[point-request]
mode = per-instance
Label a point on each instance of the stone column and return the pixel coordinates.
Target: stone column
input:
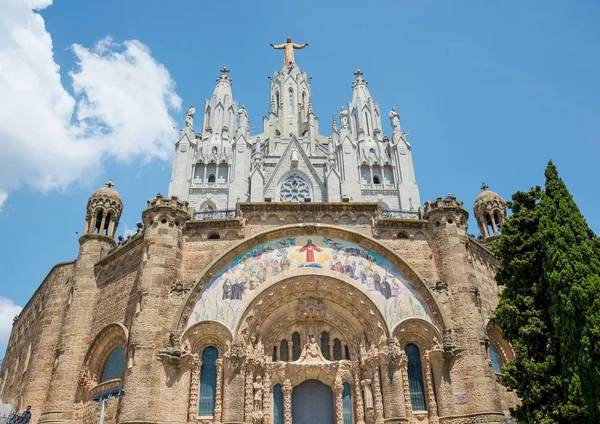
(391, 382)
(404, 373)
(266, 408)
(338, 391)
(219, 391)
(379, 415)
(431, 403)
(331, 351)
(233, 393)
(249, 395)
(360, 407)
(195, 367)
(286, 389)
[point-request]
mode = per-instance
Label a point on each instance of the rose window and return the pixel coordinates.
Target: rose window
(294, 189)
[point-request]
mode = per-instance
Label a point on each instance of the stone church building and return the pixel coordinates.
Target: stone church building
(288, 277)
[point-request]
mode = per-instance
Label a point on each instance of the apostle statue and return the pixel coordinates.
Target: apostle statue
(189, 116)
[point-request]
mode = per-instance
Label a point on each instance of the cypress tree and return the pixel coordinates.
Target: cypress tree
(550, 306)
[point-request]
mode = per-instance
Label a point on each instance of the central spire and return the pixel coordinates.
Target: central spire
(288, 46)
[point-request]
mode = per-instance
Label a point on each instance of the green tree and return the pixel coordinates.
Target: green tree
(550, 306)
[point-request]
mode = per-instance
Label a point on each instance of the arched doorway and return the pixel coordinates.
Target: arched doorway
(312, 403)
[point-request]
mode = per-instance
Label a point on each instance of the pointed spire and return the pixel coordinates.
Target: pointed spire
(310, 106)
(334, 127)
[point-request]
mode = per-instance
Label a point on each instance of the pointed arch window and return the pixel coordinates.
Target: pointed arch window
(208, 382)
(277, 404)
(337, 350)
(347, 352)
(415, 378)
(291, 101)
(325, 345)
(367, 121)
(347, 403)
(295, 346)
(277, 100)
(274, 354)
(211, 178)
(304, 101)
(114, 366)
(284, 351)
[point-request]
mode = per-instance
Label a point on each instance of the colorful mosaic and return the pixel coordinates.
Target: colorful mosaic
(230, 291)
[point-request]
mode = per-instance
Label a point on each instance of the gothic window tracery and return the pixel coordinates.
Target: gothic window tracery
(114, 366)
(294, 189)
(208, 382)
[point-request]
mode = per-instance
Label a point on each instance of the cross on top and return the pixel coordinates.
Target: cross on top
(358, 73)
(224, 71)
(484, 186)
(109, 183)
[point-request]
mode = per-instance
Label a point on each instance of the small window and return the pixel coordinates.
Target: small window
(284, 352)
(367, 121)
(325, 345)
(274, 354)
(214, 236)
(114, 367)
(337, 350)
(277, 102)
(211, 178)
(347, 403)
(295, 346)
(291, 101)
(277, 404)
(303, 100)
(376, 180)
(496, 359)
(347, 352)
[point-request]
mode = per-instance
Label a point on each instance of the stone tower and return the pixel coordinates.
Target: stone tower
(104, 209)
(490, 213)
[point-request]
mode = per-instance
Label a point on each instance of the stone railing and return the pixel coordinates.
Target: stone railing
(201, 184)
(378, 186)
(209, 215)
(400, 214)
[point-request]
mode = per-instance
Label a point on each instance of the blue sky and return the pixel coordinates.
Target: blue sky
(491, 90)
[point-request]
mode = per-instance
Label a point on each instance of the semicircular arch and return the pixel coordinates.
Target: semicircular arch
(338, 252)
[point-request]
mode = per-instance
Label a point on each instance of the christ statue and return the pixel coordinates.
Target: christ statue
(289, 47)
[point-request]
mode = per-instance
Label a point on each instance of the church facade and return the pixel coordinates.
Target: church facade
(288, 277)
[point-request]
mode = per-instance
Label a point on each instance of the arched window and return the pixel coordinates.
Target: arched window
(303, 100)
(497, 220)
(208, 382)
(284, 352)
(277, 102)
(208, 117)
(337, 350)
(277, 404)
(291, 101)
(106, 224)
(496, 359)
(367, 121)
(211, 178)
(347, 403)
(114, 366)
(295, 346)
(376, 180)
(325, 345)
(274, 353)
(347, 352)
(97, 228)
(415, 378)
(355, 119)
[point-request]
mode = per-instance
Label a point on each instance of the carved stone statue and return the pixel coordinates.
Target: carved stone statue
(395, 120)
(189, 116)
(368, 393)
(244, 121)
(289, 47)
(344, 117)
(311, 354)
(258, 394)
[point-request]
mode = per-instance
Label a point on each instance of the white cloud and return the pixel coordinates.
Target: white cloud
(50, 139)
(8, 311)
(3, 196)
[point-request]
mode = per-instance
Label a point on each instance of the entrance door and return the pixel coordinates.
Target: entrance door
(312, 403)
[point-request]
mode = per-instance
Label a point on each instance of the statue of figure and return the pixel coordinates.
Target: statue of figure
(368, 392)
(311, 354)
(395, 119)
(294, 155)
(258, 394)
(289, 47)
(189, 116)
(344, 117)
(244, 121)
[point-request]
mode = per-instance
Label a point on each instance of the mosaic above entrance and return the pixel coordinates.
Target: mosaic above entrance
(233, 287)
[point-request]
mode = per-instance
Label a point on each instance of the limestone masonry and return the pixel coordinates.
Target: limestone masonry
(288, 277)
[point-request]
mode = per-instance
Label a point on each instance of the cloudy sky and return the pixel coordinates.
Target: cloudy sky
(97, 90)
